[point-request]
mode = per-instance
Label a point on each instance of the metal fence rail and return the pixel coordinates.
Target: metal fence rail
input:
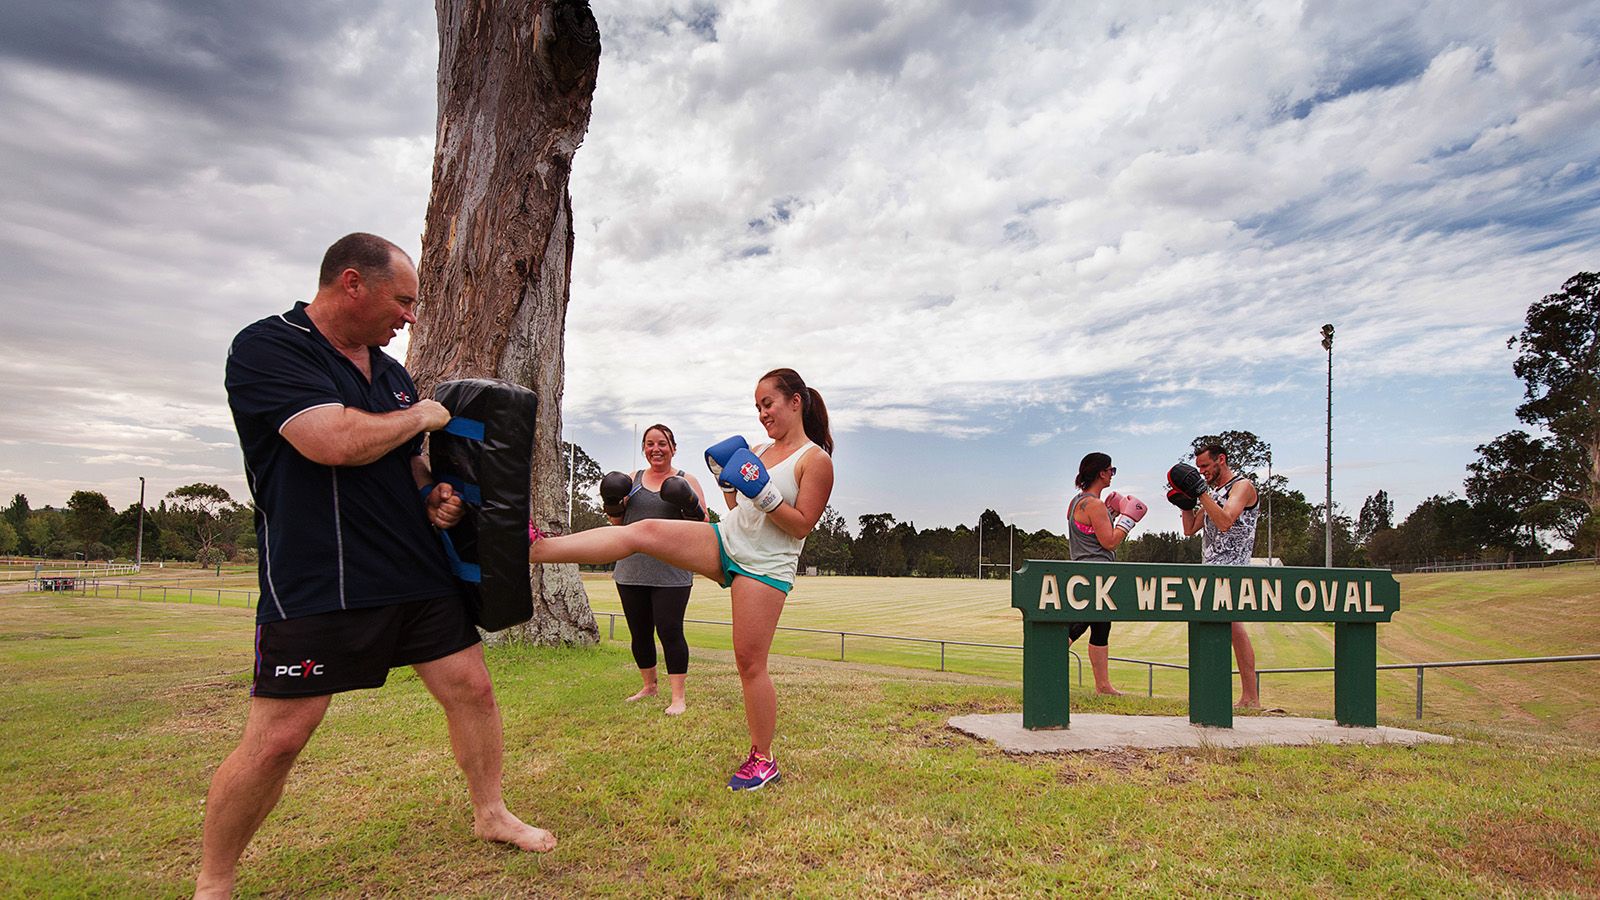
(1487, 566)
(189, 594)
(168, 594)
(1452, 664)
(611, 634)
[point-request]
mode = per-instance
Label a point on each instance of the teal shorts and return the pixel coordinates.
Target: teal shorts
(731, 568)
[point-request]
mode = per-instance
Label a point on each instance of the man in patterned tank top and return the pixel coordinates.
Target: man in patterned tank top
(1226, 517)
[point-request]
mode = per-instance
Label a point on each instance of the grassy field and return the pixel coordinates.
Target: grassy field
(118, 711)
(1471, 615)
(1468, 615)
(129, 705)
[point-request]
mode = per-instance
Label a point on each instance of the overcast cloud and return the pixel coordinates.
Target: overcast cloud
(996, 237)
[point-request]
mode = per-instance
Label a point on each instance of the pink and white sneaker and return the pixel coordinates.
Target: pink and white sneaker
(756, 772)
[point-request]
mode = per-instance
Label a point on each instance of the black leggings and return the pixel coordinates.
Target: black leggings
(1099, 632)
(662, 608)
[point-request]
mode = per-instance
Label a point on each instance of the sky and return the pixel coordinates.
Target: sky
(995, 237)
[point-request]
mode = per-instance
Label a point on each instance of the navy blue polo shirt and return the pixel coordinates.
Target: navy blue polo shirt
(329, 537)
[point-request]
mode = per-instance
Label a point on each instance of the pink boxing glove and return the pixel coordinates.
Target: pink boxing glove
(1132, 510)
(1113, 502)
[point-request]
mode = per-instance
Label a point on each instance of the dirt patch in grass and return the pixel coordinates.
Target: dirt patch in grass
(1535, 852)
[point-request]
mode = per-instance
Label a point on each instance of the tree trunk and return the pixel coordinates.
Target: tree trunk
(516, 80)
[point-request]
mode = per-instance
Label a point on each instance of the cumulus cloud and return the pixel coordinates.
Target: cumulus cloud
(955, 219)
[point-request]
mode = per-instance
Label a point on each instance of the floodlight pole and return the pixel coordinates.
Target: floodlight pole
(138, 542)
(1327, 520)
(1269, 506)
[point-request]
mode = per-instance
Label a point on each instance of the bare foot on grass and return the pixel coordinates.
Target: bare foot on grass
(1109, 692)
(676, 708)
(1247, 703)
(643, 693)
(505, 828)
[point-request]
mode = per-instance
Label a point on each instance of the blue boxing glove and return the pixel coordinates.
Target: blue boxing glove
(717, 456)
(750, 478)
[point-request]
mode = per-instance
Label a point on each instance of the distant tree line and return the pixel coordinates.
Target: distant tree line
(1523, 489)
(197, 522)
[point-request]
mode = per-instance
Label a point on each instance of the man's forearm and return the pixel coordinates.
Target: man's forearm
(368, 437)
(343, 436)
(421, 472)
(1218, 514)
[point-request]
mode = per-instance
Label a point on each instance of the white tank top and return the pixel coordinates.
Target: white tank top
(752, 539)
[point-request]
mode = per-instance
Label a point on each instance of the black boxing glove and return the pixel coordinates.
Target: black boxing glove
(676, 490)
(1180, 499)
(614, 490)
(1187, 479)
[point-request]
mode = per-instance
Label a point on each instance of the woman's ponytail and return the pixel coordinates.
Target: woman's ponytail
(813, 412)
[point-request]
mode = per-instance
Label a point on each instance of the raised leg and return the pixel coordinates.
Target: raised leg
(687, 545)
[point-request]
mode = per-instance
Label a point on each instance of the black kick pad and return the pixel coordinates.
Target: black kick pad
(486, 454)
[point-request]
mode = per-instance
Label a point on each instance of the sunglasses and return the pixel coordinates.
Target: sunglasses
(1112, 470)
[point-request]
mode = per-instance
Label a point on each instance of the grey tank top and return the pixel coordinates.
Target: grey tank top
(1082, 544)
(640, 569)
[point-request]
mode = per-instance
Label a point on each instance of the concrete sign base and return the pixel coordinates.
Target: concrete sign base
(1101, 731)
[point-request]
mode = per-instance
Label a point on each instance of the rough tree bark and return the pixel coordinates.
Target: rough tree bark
(516, 81)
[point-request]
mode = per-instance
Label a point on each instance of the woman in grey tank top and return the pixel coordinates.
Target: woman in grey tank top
(1095, 527)
(655, 596)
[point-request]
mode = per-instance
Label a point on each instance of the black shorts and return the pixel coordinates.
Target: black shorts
(352, 649)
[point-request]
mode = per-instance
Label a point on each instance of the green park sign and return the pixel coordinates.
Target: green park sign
(1053, 594)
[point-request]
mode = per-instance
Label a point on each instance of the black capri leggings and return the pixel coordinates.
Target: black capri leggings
(661, 608)
(1099, 632)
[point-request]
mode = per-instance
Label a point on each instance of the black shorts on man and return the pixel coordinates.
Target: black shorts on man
(354, 649)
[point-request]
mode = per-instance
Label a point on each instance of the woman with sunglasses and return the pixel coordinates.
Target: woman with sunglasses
(1099, 525)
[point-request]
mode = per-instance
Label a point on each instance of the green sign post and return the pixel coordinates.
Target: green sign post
(1053, 594)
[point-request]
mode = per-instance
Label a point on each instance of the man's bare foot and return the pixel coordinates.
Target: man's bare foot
(646, 691)
(676, 708)
(1110, 692)
(1247, 703)
(505, 828)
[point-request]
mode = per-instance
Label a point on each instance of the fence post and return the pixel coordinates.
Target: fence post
(941, 656)
(1419, 693)
(841, 646)
(611, 635)
(1152, 689)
